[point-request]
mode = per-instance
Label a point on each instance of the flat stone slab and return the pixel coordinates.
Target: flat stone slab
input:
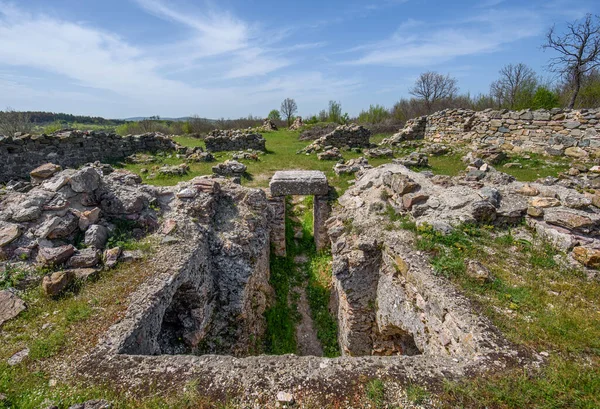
(299, 182)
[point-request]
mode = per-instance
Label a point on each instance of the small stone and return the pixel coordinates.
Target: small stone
(54, 284)
(595, 169)
(410, 199)
(186, 193)
(513, 165)
(535, 211)
(18, 357)
(89, 217)
(10, 306)
(544, 202)
(285, 397)
(169, 226)
(92, 404)
(478, 271)
(131, 255)
(111, 257)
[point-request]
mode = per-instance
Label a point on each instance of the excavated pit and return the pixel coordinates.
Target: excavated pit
(201, 317)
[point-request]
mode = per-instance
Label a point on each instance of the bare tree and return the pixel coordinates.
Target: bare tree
(289, 109)
(514, 80)
(12, 121)
(579, 51)
(432, 87)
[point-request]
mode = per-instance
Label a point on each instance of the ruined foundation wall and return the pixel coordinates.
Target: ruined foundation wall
(542, 131)
(20, 155)
(218, 141)
(211, 291)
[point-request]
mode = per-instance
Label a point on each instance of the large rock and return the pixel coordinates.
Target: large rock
(587, 256)
(111, 257)
(52, 256)
(85, 181)
(45, 171)
(96, 236)
(229, 168)
(88, 217)
(10, 306)
(84, 258)
(8, 234)
(55, 283)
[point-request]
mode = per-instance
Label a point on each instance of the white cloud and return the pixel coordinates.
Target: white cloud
(417, 44)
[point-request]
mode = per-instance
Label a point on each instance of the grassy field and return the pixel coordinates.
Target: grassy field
(281, 155)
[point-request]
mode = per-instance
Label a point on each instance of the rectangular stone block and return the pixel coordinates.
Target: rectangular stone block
(299, 182)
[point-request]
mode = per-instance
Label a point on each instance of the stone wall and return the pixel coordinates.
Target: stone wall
(351, 136)
(19, 155)
(218, 141)
(553, 132)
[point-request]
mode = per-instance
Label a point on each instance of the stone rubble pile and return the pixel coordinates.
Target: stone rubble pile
(330, 154)
(414, 159)
(297, 124)
(352, 166)
(66, 219)
(379, 153)
(344, 136)
(268, 125)
(234, 140)
(230, 168)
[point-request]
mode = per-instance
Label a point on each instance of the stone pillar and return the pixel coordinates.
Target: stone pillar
(277, 224)
(321, 214)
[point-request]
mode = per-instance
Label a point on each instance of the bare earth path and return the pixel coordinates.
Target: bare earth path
(306, 335)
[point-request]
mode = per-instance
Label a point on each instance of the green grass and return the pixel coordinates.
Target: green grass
(375, 392)
(282, 316)
(282, 146)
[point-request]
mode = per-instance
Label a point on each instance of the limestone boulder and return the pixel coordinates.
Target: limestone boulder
(45, 171)
(55, 283)
(10, 306)
(111, 257)
(589, 257)
(85, 258)
(96, 236)
(9, 233)
(53, 256)
(85, 181)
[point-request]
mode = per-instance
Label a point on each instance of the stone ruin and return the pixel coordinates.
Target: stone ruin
(297, 124)
(234, 140)
(302, 183)
(344, 136)
(268, 125)
(200, 316)
(20, 154)
(574, 133)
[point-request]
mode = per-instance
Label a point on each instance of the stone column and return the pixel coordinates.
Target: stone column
(321, 214)
(277, 224)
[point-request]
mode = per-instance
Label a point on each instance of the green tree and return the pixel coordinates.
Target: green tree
(274, 115)
(544, 98)
(335, 112)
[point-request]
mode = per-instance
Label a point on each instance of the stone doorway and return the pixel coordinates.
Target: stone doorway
(302, 183)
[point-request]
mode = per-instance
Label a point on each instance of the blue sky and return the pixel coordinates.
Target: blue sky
(232, 58)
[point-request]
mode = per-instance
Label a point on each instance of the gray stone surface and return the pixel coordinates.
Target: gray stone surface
(299, 182)
(10, 306)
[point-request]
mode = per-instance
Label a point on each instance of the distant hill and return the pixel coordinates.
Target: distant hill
(38, 117)
(180, 119)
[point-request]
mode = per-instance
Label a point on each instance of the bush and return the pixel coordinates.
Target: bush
(374, 115)
(544, 98)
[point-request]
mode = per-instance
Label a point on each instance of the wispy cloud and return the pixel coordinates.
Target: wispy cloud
(415, 43)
